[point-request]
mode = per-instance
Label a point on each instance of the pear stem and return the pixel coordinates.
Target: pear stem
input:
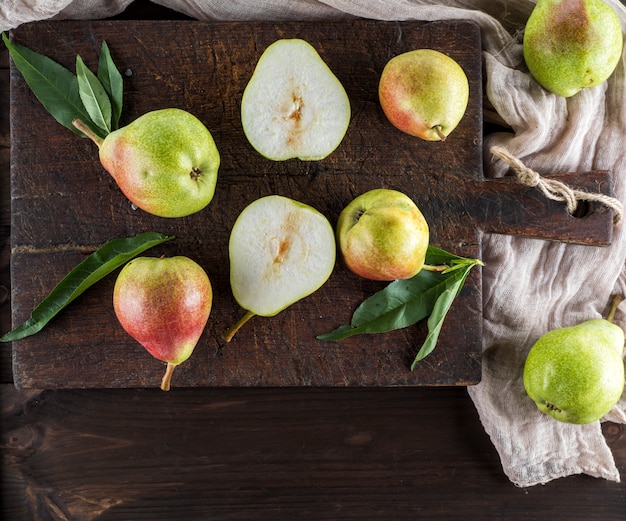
(616, 300)
(80, 125)
(230, 333)
(441, 135)
(438, 268)
(167, 377)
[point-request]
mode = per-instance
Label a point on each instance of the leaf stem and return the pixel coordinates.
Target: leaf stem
(616, 300)
(230, 332)
(80, 125)
(439, 268)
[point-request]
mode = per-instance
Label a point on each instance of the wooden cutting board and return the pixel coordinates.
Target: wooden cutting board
(64, 206)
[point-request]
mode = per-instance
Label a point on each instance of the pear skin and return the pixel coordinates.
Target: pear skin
(165, 162)
(164, 304)
(424, 93)
(576, 374)
(570, 45)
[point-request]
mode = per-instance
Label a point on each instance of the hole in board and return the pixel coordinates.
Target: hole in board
(583, 209)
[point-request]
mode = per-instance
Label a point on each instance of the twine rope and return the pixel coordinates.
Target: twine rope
(554, 189)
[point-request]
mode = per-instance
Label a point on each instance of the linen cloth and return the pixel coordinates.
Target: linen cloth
(530, 286)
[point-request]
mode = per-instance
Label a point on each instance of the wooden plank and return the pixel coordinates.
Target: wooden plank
(273, 454)
(65, 205)
(6, 373)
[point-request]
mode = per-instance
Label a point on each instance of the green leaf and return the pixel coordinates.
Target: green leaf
(442, 306)
(113, 83)
(95, 267)
(435, 321)
(54, 86)
(402, 303)
(94, 96)
(436, 256)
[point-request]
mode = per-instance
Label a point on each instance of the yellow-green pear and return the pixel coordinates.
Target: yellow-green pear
(383, 235)
(572, 44)
(165, 162)
(424, 93)
(576, 374)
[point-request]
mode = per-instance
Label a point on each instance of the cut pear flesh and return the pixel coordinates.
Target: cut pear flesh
(280, 251)
(294, 106)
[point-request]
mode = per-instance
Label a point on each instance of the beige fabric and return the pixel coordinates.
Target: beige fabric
(530, 286)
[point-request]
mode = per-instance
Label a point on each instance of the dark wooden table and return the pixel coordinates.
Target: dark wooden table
(254, 454)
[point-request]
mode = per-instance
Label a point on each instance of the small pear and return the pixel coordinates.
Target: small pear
(570, 45)
(424, 93)
(165, 162)
(280, 251)
(576, 374)
(294, 106)
(164, 304)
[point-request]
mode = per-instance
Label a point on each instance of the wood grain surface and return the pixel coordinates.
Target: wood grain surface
(260, 454)
(64, 205)
(204, 68)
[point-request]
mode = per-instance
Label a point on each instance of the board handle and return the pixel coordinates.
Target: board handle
(506, 206)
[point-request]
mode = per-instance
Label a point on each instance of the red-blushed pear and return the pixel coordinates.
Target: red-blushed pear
(570, 45)
(294, 106)
(280, 251)
(424, 93)
(383, 235)
(165, 162)
(164, 303)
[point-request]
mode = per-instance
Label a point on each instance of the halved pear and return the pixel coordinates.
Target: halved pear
(280, 251)
(294, 106)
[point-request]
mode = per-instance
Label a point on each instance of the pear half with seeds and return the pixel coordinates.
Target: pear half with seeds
(281, 251)
(294, 106)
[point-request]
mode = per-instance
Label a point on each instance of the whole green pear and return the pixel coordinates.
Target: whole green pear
(572, 44)
(576, 374)
(165, 162)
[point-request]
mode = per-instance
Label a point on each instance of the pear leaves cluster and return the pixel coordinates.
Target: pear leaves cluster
(95, 99)
(404, 302)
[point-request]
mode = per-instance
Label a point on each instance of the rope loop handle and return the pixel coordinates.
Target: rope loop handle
(556, 190)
